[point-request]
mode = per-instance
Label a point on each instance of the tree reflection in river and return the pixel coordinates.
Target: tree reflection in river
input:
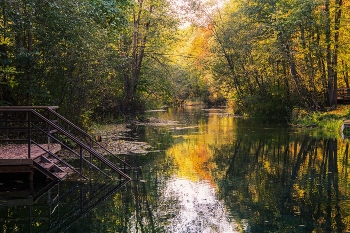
(285, 184)
(217, 173)
(275, 179)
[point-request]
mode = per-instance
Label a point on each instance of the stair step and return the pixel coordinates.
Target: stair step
(56, 168)
(55, 161)
(60, 175)
(60, 172)
(47, 166)
(44, 159)
(51, 160)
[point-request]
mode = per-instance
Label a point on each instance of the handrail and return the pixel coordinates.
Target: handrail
(87, 135)
(50, 109)
(70, 123)
(56, 157)
(72, 151)
(24, 108)
(81, 144)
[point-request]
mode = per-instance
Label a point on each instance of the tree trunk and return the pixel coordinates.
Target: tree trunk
(298, 81)
(338, 5)
(138, 45)
(24, 41)
(345, 74)
(332, 56)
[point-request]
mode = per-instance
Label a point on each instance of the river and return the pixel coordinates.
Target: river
(214, 172)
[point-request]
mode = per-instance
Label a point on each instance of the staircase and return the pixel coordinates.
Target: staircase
(52, 167)
(38, 125)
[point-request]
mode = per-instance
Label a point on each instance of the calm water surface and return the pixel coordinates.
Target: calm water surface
(211, 173)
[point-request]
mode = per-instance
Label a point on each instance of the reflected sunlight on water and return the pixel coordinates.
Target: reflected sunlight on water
(196, 207)
(217, 173)
(191, 194)
(193, 155)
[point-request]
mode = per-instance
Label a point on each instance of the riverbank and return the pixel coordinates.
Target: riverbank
(328, 123)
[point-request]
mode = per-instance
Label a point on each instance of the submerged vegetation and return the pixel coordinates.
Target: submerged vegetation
(108, 60)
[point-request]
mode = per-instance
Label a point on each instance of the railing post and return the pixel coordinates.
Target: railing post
(81, 162)
(81, 199)
(90, 148)
(90, 170)
(6, 126)
(29, 133)
(48, 131)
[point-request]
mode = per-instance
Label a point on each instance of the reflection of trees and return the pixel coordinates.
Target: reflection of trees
(135, 209)
(144, 203)
(130, 210)
(284, 183)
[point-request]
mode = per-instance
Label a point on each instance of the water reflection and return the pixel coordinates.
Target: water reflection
(286, 185)
(54, 207)
(268, 177)
(190, 193)
(193, 207)
(217, 173)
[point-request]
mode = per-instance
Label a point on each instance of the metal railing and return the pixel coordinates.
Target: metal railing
(16, 122)
(89, 139)
(32, 123)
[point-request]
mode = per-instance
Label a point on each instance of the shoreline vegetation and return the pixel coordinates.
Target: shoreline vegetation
(326, 123)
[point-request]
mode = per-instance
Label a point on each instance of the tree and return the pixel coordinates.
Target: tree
(58, 52)
(150, 24)
(279, 52)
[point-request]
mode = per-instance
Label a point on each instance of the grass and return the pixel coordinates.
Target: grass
(328, 122)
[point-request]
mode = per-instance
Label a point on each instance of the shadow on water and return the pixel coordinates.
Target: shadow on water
(53, 207)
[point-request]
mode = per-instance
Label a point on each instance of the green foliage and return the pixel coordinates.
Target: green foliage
(116, 57)
(62, 54)
(347, 113)
(66, 141)
(109, 13)
(275, 107)
(329, 122)
(346, 131)
(274, 56)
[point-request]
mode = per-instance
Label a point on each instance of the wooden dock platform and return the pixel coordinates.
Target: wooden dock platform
(14, 157)
(36, 125)
(20, 151)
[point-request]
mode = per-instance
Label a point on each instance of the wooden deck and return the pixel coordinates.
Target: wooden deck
(34, 124)
(20, 151)
(14, 157)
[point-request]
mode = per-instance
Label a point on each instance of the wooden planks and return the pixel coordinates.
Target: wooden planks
(14, 157)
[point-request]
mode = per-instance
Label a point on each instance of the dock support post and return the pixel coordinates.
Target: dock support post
(29, 134)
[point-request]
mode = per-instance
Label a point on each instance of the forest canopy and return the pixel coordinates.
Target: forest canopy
(111, 59)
